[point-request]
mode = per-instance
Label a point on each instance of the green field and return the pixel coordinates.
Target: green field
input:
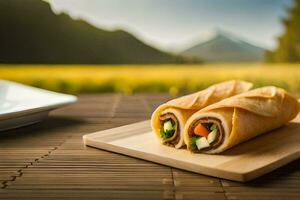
(148, 78)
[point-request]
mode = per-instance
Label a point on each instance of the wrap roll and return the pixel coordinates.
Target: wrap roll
(169, 119)
(238, 119)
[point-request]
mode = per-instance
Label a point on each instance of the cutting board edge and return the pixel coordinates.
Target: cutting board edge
(251, 175)
(229, 175)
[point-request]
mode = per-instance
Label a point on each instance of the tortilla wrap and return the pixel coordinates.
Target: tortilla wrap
(180, 109)
(243, 117)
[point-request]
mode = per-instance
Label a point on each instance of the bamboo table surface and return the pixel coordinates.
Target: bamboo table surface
(49, 161)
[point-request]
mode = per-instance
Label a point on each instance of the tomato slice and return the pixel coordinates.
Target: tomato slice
(200, 130)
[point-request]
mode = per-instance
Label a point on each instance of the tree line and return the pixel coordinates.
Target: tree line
(288, 44)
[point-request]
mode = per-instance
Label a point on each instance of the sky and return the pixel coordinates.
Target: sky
(173, 25)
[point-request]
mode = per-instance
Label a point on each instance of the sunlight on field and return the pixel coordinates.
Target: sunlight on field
(148, 78)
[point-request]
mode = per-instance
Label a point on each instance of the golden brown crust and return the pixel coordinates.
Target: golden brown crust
(210, 95)
(265, 101)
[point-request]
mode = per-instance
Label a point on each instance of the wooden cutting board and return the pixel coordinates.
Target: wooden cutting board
(241, 163)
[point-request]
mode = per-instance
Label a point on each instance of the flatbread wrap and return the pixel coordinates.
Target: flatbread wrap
(169, 119)
(231, 121)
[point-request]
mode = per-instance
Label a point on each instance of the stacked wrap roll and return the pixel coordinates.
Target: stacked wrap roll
(182, 108)
(245, 116)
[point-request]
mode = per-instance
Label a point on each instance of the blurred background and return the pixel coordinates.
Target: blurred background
(79, 46)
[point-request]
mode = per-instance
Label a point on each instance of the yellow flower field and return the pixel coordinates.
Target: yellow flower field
(148, 78)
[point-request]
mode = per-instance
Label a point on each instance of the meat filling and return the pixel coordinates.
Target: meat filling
(169, 129)
(205, 134)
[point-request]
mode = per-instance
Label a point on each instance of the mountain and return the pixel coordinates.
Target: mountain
(31, 33)
(225, 47)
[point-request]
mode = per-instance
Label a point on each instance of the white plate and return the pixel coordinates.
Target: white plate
(22, 105)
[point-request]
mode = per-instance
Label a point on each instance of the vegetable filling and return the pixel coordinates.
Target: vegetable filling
(167, 128)
(203, 136)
